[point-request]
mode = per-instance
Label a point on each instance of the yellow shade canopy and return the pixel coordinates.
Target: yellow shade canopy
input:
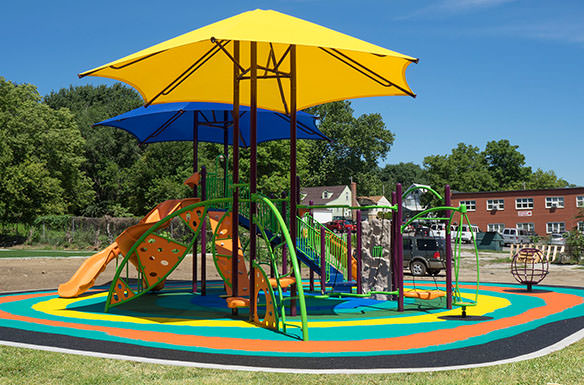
(198, 66)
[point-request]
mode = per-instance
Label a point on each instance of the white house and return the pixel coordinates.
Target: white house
(328, 195)
(377, 200)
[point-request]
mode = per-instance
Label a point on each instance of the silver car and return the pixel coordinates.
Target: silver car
(557, 239)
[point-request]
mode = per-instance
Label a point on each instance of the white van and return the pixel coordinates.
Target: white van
(437, 230)
(514, 236)
(466, 234)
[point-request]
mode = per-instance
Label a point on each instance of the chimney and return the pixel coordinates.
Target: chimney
(354, 199)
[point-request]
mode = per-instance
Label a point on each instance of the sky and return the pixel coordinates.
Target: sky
(488, 69)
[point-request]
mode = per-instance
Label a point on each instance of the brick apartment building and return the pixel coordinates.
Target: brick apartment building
(543, 211)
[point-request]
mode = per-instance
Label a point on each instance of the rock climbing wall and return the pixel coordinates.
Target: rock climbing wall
(376, 271)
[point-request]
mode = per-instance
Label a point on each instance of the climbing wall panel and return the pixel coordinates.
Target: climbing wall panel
(158, 256)
(121, 292)
(263, 292)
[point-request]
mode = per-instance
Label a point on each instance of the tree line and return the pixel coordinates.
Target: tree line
(53, 161)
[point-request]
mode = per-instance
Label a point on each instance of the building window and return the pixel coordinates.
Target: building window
(580, 201)
(498, 227)
(470, 205)
(347, 196)
(555, 227)
(526, 226)
(554, 202)
(581, 226)
(523, 203)
(495, 204)
(325, 194)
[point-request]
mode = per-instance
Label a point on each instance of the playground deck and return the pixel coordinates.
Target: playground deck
(346, 335)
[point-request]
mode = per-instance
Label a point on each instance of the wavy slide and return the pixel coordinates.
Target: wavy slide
(85, 276)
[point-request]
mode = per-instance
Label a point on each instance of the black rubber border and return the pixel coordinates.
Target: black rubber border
(505, 348)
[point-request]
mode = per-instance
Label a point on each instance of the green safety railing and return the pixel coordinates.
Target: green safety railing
(309, 231)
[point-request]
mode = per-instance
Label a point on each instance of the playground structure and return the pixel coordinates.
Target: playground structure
(277, 284)
(237, 45)
(529, 267)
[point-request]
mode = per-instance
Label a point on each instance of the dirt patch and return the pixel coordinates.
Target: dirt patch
(48, 273)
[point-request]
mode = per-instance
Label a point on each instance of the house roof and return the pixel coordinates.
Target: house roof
(370, 200)
(314, 194)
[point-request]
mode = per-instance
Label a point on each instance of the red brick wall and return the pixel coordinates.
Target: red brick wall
(510, 216)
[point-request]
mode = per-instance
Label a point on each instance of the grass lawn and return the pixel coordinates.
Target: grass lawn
(30, 253)
(26, 366)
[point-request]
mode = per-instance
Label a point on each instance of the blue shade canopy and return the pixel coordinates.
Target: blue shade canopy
(175, 122)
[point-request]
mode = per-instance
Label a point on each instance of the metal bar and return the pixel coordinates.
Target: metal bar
(359, 255)
(349, 256)
(195, 190)
(225, 151)
(186, 74)
(322, 260)
(311, 270)
(234, 58)
(285, 250)
(293, 180)
(448, 250)
(253, 165)
(400, 248)
(280, 87)
(163, 126)
(265, 77)
(235, 173)
(394, 235)
(203, 234)
(364, 70)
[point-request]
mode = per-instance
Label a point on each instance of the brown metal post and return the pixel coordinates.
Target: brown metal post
(253, 171)
(311, 270)
(203, 234)
(448, 250)
(195, 189)
(225, 152)
(293, 181)
(399, 248)
(394, 235)
(235, 208)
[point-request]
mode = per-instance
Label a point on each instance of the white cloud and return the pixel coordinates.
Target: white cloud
(443, 8)
(566, 31)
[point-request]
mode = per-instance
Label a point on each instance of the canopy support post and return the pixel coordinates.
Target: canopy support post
(235, 208)
(225, 151)
(195, 189)
(253, 173)
(293, 185)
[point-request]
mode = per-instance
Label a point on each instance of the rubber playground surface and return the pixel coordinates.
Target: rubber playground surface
(346, 335)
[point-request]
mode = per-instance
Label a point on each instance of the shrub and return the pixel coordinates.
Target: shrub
(575, 246)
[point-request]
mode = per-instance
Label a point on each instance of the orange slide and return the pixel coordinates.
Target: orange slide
(85, 276)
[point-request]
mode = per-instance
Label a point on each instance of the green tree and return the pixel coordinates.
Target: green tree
(465, 169)
(506, 164)
(357, 147)
(40, 155)
(404, 173)
(109, 152)
(544, 179)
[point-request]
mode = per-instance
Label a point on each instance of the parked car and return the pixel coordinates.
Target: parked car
(341, 225)
(437, 230)
(424, 255)
(466, 234)
(557, 239)
(515, 236)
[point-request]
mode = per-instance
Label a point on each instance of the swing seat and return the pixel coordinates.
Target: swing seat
(424, 294)
(464, 304)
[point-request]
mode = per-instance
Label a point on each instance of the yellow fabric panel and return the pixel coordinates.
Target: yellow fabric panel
(320, 77)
